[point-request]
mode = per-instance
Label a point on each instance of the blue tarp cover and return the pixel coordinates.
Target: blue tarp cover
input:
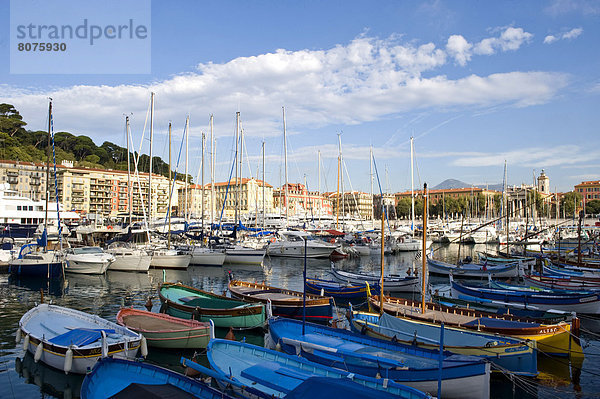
(327, 388)
(79, 337)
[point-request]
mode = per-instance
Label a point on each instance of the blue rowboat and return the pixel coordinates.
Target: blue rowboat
(515, 355)
(117, 378)
(472, 269)
(285, 303)
(339, 290)
(280, 375)
(523, 297)
(392, 283)
(406, 364)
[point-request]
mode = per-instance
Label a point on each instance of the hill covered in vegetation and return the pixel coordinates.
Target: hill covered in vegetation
(19, 144)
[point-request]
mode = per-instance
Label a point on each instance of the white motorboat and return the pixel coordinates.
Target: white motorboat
(73, 341)
(128, 258)
(292, 244)
(87, 260)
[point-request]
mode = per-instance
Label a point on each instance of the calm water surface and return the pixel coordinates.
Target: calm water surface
(20, 377)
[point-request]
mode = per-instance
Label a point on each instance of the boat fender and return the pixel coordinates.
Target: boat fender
(212, 329)
(144, 347)
(18, 337)
(322, 291)
(363, 330)
(489, 344)
(68, 361)
(269, 309)
(38, 352)
(104, 349)
(26, 342)
(278, 347)
(68, 394)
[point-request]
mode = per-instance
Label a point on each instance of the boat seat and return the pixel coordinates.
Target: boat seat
(79, 336)
(267, 372)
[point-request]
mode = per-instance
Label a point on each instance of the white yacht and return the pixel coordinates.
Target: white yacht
(206, 256)
(20, 216)
(292, 243)
(87, 260)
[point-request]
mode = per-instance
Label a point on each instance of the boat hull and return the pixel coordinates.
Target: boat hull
(33, 325)
(86, 267)
(390, 284)
(111, 376)
(285, 303)
(349, 351)
(164, 331)
(51, 270)
(186, 302)
(126, 263)
(170, 261)
(472, 270)
(509, 354)
(207, 258)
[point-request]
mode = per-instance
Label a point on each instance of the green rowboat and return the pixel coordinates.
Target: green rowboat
(187, 302)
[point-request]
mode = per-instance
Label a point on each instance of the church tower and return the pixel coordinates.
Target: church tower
(543, 183)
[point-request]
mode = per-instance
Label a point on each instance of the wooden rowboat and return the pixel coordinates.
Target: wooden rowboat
(285, 303)
(164, 331)
(187, 302)
(555, 339)
(73, 341)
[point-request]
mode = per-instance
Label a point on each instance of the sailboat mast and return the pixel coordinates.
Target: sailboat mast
(48, 173)
(424, 249)
(263, 184)
(371, 178)
(170, 190)
(337, 197)
(285, 167)
(212, 172)
(319, 184)
(150, 167)
(382, 256)
(129, 188)
(412, 189)
(202, 182)
(187, 139)
(237, 193)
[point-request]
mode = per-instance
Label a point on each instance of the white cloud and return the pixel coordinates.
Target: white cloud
(572, 34)
(530, 157)
(585, 7)
(459, 48)
(364, 80)
(510, 39)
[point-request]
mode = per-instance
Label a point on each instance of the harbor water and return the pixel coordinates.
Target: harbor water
(21, 377)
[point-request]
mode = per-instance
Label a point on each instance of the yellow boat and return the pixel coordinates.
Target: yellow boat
(553, 339)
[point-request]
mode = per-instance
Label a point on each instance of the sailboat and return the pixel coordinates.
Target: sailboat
(127, 257)
(165, 256)
(410, 243)
(202, 255)
(33, 263)
(238, 253)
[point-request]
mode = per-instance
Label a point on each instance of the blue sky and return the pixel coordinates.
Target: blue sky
(475, 83)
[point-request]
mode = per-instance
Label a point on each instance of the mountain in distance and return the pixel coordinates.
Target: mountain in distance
(449, 184)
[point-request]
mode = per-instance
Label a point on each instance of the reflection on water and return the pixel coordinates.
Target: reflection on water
(50, 381)
(104, 295)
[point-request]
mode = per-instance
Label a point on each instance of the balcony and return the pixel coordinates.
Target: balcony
(12, 173)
